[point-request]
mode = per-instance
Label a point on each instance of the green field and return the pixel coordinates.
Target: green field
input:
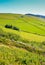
(23, 47)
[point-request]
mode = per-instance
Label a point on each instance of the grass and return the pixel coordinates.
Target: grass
(25, 35)
(25, 23)
(9, 55)
(23, 47)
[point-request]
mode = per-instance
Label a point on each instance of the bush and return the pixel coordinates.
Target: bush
(15, 28)
(11, 27)
(8, 26)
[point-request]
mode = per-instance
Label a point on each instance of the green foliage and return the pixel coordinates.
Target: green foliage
(11, 27)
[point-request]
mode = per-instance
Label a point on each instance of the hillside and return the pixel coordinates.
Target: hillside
(24, 42)
(41, 16)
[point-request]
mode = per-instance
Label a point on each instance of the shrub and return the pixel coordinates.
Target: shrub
(11, 27)
(8, 26)
(15, 28)
(22, 16)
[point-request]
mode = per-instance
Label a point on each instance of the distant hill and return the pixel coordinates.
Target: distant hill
(41, 16)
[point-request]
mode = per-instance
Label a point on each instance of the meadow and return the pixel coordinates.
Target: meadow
(25, 46)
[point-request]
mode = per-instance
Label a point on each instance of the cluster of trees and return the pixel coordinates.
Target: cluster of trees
(11, 27)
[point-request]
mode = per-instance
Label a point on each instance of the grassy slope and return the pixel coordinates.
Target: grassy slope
(9, 55)
(32, 29)
(29, 24)
(27, 36)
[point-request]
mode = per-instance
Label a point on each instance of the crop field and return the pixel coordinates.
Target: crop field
(22, 42)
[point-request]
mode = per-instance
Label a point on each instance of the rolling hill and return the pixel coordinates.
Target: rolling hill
(25, 46)
(41, 16)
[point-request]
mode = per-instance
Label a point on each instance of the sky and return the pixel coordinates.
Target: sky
(22, 6)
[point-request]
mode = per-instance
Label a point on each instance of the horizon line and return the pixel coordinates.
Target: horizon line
(21, 13)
